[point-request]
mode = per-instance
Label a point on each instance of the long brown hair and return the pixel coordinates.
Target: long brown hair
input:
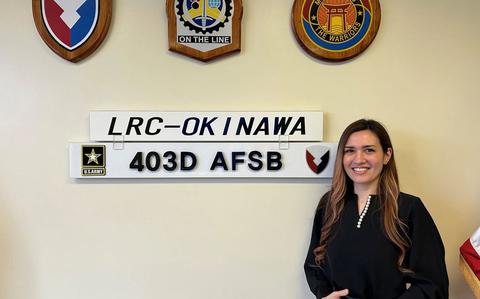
(387, 192)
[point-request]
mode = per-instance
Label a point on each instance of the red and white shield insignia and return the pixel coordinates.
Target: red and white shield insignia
(317, 157)
(72, 28)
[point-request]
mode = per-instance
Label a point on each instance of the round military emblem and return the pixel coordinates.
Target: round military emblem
(205, 16)
(336, 29)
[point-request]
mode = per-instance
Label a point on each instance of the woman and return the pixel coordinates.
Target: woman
(369, 240)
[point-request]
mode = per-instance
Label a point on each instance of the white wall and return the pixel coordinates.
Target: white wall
(61, 238)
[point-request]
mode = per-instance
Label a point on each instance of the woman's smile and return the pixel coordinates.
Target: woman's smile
(363, 160)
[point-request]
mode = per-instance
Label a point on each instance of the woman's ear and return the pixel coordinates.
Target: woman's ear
(387, 156)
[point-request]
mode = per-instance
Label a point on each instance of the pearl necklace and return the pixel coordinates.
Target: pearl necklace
(365, 209)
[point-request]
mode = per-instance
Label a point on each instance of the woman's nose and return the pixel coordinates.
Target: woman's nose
(359, 157)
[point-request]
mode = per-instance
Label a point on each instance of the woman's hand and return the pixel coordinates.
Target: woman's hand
(337, 294)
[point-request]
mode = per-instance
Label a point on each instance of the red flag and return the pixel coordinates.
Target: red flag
(470, 250)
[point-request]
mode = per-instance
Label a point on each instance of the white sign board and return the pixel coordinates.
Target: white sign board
(202, 160)
(113, 126)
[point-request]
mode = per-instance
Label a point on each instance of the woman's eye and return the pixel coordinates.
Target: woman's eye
(370, 150)
(347, 151)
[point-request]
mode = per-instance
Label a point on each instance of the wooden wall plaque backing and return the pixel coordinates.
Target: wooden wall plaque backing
(204, 29)
(470, 277)
(335, 30)
(72, 29)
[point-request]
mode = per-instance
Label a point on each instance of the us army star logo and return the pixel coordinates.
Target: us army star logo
(93, 160)
(93, 157)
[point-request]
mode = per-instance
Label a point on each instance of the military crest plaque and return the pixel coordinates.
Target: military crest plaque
(72, 28)
(335, 30)
(204, 29)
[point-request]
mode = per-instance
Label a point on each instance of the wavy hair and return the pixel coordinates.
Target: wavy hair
(387, 192)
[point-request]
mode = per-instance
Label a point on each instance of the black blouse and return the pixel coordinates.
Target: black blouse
(364, 260)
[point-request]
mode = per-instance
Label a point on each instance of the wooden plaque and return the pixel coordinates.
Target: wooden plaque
(72, 29)
(335, 30)
(204, 29)
(470, 277)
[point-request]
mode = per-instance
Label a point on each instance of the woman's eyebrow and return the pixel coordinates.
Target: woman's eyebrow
(363, 146)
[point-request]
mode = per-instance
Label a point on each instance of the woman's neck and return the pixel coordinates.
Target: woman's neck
(364, 191)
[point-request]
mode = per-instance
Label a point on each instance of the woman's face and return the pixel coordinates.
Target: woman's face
(363, 160)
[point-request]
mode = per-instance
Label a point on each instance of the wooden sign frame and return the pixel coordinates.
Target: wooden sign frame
(470, 277)
(350, 27)
(87, 47)
(206, 55)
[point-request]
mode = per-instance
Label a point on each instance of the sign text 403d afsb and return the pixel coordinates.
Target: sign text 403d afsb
(197, 144)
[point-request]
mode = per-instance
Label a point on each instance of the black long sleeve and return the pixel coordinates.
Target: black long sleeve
(426, 256)
(364, 260)
(317, 281)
